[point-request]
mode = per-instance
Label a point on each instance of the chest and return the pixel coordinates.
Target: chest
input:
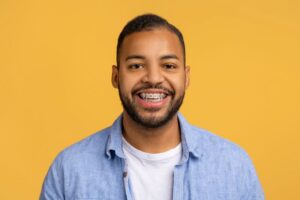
(113, 181)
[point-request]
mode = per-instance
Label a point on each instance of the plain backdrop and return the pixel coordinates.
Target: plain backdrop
(55, 68)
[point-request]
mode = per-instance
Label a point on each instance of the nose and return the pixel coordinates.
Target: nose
(154, 75)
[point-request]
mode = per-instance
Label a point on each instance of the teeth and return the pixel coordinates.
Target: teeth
(152, 96)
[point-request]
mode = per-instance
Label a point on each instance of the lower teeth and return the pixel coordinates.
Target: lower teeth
(152, 100)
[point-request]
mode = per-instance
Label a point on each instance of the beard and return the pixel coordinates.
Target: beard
(151, 122)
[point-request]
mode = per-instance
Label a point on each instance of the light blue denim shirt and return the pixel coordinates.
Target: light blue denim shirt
(95, 168)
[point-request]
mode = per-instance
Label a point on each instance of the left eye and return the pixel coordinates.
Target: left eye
(170, 66)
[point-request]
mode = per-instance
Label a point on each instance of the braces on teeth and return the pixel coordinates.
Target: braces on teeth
(152, 97)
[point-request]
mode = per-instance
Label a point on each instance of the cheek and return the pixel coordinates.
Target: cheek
(178, 83)
(127, 84)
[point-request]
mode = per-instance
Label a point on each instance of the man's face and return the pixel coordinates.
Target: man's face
(151, 77)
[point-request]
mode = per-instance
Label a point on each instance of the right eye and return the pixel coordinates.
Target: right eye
(135, 66)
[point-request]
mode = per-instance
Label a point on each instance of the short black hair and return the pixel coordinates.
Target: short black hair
(147, 22)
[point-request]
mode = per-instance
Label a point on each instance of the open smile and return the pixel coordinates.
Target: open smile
(152, 98)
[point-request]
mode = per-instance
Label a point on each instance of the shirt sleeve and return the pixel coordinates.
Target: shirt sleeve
(52, 188)
(254, 189)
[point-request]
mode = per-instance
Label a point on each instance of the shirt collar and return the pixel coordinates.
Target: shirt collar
(188, 140)
(114, 143)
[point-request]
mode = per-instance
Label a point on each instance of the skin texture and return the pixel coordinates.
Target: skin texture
(151, 62)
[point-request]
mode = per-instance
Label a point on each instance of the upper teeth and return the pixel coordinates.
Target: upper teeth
(153, 95)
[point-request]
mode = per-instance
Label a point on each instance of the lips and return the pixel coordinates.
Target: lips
(152, 98)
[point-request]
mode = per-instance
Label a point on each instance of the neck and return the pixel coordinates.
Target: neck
(151, 140)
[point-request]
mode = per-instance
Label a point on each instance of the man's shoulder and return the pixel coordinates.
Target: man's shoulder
(91, 146)
(215, 146)
(223, 162)
(205, 142)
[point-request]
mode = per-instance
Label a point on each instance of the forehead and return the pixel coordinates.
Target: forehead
(152, 43)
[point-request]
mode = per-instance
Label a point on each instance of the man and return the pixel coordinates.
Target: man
(151, 152)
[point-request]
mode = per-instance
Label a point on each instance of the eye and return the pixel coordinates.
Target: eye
(169, 66)
(135, 66)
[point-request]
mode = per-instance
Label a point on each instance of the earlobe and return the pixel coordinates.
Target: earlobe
(187, 76)
(115, 76)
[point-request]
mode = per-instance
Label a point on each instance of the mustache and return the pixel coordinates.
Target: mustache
(148, 86)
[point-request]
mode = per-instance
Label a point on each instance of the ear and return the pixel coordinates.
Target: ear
(187, 76)
(115, 76)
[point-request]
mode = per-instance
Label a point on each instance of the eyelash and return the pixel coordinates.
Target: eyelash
(135, 66)
(167, 66)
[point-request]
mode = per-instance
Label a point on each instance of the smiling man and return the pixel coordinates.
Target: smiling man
(151, 152)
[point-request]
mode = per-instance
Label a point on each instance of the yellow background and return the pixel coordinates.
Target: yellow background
(55, 66)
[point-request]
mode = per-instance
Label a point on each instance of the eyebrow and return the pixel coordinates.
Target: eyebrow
(165, 57)
(171, 56)
(135, 57)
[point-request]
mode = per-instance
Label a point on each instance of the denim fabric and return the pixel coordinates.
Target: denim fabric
(211, 168)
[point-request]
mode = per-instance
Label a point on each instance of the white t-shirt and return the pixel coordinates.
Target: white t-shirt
(151, 175)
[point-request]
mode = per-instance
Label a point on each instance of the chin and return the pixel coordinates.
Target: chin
(153, 120)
